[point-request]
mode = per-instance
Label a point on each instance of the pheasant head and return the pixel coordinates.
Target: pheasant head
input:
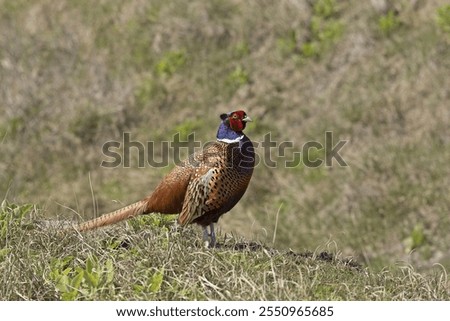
(230, 130)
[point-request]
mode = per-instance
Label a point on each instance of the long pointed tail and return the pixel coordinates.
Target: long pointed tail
(113, 217)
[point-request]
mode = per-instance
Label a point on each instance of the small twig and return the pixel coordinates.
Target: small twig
(276, 224)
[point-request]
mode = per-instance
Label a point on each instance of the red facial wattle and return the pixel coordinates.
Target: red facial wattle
(237, 124)
(236, 120)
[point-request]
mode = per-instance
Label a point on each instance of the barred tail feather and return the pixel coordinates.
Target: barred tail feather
(113, 217)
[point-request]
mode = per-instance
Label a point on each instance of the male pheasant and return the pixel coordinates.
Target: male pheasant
(204, 187)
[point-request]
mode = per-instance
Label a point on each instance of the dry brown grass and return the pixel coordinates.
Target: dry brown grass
(150, 260)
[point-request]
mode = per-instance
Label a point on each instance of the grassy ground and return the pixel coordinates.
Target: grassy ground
(77, 74)
(149, 260)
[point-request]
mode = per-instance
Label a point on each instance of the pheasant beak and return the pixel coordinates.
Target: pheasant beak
(246, 119)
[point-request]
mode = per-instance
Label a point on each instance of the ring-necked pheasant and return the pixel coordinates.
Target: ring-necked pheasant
(204, 187)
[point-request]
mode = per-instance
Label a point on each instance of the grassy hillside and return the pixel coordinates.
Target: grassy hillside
(77, 74)
(149, 260)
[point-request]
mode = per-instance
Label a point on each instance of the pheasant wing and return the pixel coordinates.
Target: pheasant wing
(208, 167)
